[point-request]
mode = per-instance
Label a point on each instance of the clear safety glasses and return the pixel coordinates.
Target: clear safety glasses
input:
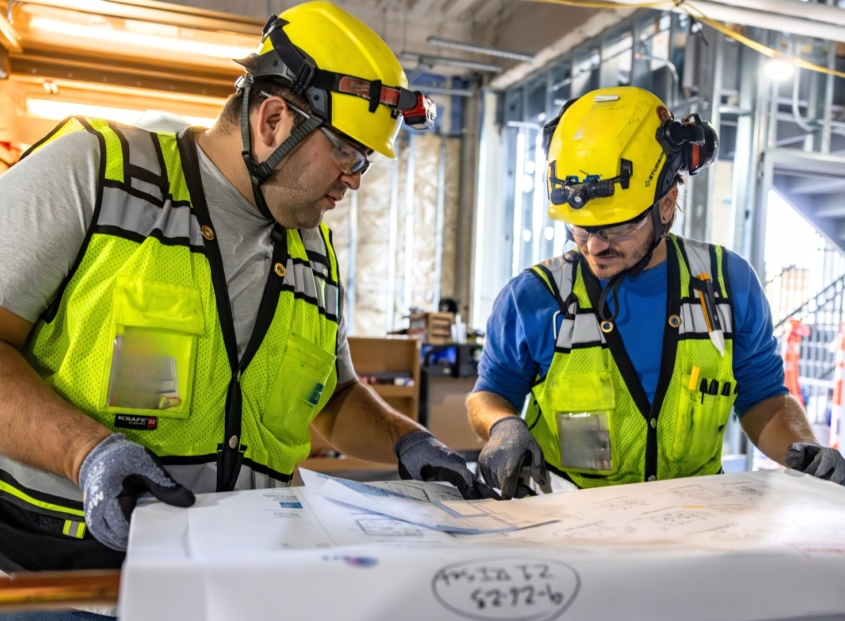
(350, 159)
(616, 233)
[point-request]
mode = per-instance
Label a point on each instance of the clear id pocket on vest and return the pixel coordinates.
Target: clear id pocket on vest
(700, 422)
(297, 391)
(585, 405)
(155, 328)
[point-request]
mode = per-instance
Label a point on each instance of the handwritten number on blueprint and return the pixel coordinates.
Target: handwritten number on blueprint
(506, 589)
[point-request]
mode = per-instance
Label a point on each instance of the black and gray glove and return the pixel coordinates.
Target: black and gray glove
(510, 448)
(424, 458)
(820, 461)
(113, 476)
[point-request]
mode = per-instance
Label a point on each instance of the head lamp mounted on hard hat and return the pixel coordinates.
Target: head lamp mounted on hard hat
(578, 193)
(299, 73)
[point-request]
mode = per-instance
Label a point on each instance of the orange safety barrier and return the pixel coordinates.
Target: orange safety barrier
(792, 355)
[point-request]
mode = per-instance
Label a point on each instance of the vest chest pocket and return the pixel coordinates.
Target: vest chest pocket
(154, 333)
(584, 405)
(700, 423)
(297, 391)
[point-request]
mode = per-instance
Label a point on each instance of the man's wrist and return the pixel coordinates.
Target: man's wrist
(504, 420)
(81, 450)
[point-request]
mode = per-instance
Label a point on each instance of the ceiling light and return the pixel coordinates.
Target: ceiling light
(480, 49)
(779, 70)
(58, 110)
(431, 61)
(132, 39)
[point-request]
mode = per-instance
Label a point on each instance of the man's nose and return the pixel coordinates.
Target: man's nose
(596, 244)
(353, 182)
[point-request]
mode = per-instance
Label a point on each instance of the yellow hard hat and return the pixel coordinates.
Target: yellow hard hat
(348, 74)
(615, 152)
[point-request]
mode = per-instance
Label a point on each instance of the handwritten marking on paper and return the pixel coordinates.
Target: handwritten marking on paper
(507, 589)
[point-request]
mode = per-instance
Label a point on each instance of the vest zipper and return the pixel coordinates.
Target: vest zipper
(649, 411)
(230, 452)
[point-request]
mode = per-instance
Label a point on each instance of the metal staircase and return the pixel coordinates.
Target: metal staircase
(823, 313)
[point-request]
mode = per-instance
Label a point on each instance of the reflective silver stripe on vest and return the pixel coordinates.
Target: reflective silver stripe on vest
(692, 318)
(698, 255)
(314, 243)
(202, 478)
(146, 188)
(142, 152)
(40, 481)
(135, 215)
(562, 272)
(302, 279)
(582, 330)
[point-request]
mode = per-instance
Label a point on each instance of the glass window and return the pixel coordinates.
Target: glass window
(616, 59)
(585, 71)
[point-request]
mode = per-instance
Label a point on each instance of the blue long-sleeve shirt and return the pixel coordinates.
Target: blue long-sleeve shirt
(520, 339)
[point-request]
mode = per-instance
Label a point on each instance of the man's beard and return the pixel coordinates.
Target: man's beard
(630, 259)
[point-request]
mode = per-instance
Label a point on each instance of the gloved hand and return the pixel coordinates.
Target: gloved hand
(112, 477)
(423, 458)
(510, 447)
(820, 461)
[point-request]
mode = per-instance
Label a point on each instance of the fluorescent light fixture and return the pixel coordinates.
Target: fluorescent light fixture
(779, 70)
(58, 110)
(480, 49)
(431, 61)
(130, 39)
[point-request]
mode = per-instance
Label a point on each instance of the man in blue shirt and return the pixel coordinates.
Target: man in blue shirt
(635, 347)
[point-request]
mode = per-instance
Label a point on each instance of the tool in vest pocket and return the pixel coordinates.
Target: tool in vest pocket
(704, 290)
(693, 377)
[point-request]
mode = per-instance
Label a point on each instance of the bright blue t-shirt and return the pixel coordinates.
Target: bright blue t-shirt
(520, 337)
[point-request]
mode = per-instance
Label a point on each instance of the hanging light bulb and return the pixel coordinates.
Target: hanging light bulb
(779, 70)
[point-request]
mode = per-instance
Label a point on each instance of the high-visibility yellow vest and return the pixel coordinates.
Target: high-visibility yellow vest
(590, 414)
(140, 337)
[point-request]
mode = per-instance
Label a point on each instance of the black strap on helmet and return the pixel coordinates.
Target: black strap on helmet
(259, 173)
(306, 74)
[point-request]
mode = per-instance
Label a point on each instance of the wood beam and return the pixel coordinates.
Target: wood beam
(10, 40)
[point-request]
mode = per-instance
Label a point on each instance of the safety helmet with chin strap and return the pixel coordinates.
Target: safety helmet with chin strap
(349, 76)
(612, 155)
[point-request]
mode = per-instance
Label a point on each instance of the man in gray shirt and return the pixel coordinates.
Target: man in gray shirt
(95, 206)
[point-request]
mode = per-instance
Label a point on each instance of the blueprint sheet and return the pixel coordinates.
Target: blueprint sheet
(741, 547)
(426, 504)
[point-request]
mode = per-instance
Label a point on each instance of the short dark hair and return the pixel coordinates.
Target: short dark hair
(230, 116)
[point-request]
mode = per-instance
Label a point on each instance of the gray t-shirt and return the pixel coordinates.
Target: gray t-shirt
(46, 207)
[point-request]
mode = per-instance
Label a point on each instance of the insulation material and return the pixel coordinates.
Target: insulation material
(414, 239)
(370, 294)
(449, 259)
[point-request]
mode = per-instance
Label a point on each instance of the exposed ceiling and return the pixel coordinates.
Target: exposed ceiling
(405, 25)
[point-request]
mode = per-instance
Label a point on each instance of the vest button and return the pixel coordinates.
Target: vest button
(207, 232)
(233, 442)
(652, 478)
(653, 423)
(280, 270)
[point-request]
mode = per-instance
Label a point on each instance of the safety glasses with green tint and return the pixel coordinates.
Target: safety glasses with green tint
(615, 233)
(350, 159)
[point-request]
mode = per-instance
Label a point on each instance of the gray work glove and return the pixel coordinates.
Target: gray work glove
(113, 476)
(510, 447)
(424, 458)
(820, 461)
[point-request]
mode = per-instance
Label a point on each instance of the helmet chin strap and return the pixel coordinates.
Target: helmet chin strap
(634, 271)
(259, 173)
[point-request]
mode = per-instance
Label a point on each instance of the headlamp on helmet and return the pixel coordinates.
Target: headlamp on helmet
(578, 193)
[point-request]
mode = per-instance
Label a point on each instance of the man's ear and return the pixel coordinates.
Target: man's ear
(273, 122)
(667, 204)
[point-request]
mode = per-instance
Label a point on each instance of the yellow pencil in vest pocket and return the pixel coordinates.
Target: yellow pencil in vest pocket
(693, 378)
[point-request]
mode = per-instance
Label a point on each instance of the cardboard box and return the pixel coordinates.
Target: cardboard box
(432, 328)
